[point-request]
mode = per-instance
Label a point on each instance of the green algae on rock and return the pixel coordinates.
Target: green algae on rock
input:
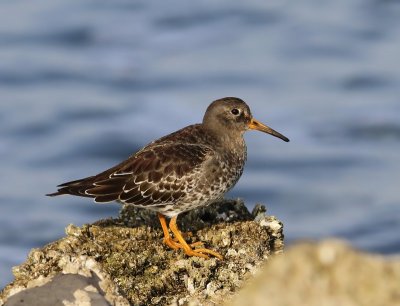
(127, 263)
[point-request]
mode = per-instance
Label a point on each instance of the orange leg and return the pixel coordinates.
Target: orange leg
(173, 243)
(179, 242)
(201, 252)
(167, 238)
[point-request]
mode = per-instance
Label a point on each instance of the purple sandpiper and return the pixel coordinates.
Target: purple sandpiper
(189, 168)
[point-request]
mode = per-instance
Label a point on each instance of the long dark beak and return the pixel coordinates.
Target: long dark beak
(257, 125)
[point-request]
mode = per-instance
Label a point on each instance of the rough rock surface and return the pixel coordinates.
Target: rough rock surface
(329, 273)
(123, 261)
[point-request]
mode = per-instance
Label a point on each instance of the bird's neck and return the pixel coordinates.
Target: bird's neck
(229, 141)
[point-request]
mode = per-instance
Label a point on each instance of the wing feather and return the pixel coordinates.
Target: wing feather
(155, 175)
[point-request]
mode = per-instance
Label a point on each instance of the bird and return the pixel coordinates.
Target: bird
(190, 168)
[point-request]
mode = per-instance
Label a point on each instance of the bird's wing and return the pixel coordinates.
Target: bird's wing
(156, 174)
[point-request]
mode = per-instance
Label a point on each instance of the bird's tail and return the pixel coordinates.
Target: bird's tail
(54, 194)
(77, 188)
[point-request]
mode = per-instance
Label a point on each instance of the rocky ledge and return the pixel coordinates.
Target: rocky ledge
(124, 261)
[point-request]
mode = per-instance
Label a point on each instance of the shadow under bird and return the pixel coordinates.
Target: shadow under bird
(189, 168)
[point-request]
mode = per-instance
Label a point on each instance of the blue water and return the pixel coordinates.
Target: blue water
(83, 84)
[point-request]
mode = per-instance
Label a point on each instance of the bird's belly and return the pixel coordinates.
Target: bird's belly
(208, 190)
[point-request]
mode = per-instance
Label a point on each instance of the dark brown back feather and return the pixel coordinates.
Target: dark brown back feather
(150, 177)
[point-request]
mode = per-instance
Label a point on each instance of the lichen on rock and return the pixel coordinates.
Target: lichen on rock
(127, 262)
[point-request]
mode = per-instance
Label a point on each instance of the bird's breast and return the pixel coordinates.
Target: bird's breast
(226, 168)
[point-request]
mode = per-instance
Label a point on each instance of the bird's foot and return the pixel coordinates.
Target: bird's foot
(202, 252)
(174, 243)
(191, 250)
(179, 241)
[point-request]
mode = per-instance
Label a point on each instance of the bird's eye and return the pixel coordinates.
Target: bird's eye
(235, 111)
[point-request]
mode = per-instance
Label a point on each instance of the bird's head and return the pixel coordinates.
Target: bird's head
(233, 115)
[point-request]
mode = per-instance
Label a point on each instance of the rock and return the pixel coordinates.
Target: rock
(124, 262)
(67, 289)
(326, 273)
